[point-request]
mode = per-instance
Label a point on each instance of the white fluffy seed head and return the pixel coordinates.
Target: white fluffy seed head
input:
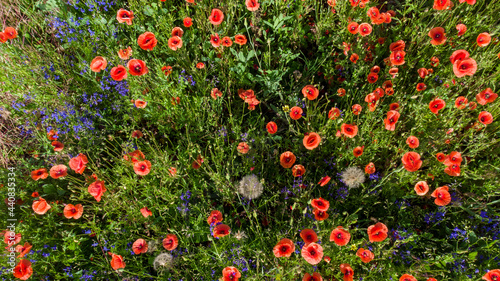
(163, 261)
(250, 187)
(353, 177)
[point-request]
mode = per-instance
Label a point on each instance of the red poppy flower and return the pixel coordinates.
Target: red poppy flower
(312, 253)
(125, 16)
(271, 127)
(422, 72)
(116, 261)
(436, 104)
(73, 211)
(461, 102)
(462, 28)
(188, 22)
(442, 196)
(298, 170)
(3, 37)
(175, 43)
(472, 105)
(137, 67)
(465, 67)
(311, 141)
(353, 27)
(23, 270)
(411, 161)
(348, 272)
(370, 168)
(315, 277)
(78, 163)
(421, 87)
(221, 230)
(216, 17)
(354, 58)
(125, 54)
(440, 157)
(324, 181)
(40, 206)
(140, 246)
(214, 40)
(407, 277)
(252, 5)
(215, 93)
(308, 235)
(197, 163)
(375, 69)
(320, 215)
(492, 275)
(134, 156)
(453, 170)
(39, 174)
(320, 204)
(23, 249)
(142, 168)
(341, 92)
(98, 64)
(441, 4)
(118, 73)
(296, 113)
(483, 39)
(356, 109)
(8, 236)
(412, 142)
(394, 106)
(170, 242)
(485, 117)
(349, 130)
(397, 46)
(51, 134)
(455, 157)
(486, 96)
(421, 188)
(365, 255)
(166, 70)
(177, 31)
(340, 236)
(58, 171)
(397, 57)
(243, 147)
(10, 32)
(358, 151)
(459, 55)
(377, 232)
(393, 71)
(287, 159)
(438, 36)
(284, 248)
(390, 121)
(310, 92)
(146, 212)
(214, 217)
(372, 77)
(230, 273)
(240, 39)
(147, 41)
(227, 42)
(334, 113)
(97, 189)
(365, 29)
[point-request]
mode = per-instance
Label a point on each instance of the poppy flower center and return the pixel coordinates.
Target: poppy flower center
(312, 252)
(440, 195)
(309, 237)
(125, 16)
(339, 236)
(487, 96)
(39, 173)
(137, 68)
(463, 66)
(283, 249)
(364, 254)
(73, 210)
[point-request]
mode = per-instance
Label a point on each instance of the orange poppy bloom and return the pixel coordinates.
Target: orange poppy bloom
(320, 215)
(134, 156)
(358, 151)
(411, 161)
(98, 64)
(486, 96)
(483, 39)
(78, 163)
(97, 189)
(391, 120)
(221, 230)
(240, 39)
(230, 273)
(348, 272)
(287, 159)
(353, 27)
(23, 270)
(442, 196)
(118, 73)
(125, 54)
(440, 157)
(356, 109)
(340, 236)
(146, 212)
(394, 106)
(214, 40)
(215, 93)
(397, 57)
(140, 246)
(492, 275)
(438, 36)
(465, 67)
(35, 194)
(40, 206)
(365, 29)
(472, 105)
(216, 17)
(175, 43)
(408, 277)
(349, 130)
(284, 248)
(116, 261)
(166, 70)
(485, 117)
(252, 5)
(214, 217)
(436, 104)
(177, 31)
(125, 16)
(170, 242)
(315, 277)
(58, 171)
(58, 146)
(462, 28)
(422, 72)
(453, 170)
(310, 92)
(243, 147)
(377, 232)
(341, 92)
(441, 4)
(188, 22)
(23, 250)
(71, 211)
(311, 141)
(375, 69)
(372, 99)
(51, 134)
(298, 170)
(10, 32)
(296, 113)
(334, 113)
(354, 58)
(272, 128)
(372, 77)
(320, 204)
(147, 41)
(227, 42)
(455, 157)
(412, 142)
(197, 163)
(365, 255)
(142, 168)
(3, 37)
(461, 102)
(39, 174)
(397, 46)
(309, 236)
(459, 55)
(370, 168)
(137, 67)
(312, 253)
(137, 134)
(421, 87)
(421, 188)
(140, 104)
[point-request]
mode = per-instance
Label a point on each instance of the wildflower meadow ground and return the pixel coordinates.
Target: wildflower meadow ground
(250, 140)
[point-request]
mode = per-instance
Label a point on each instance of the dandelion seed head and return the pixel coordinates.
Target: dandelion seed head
(250, 187)
(353, 177)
